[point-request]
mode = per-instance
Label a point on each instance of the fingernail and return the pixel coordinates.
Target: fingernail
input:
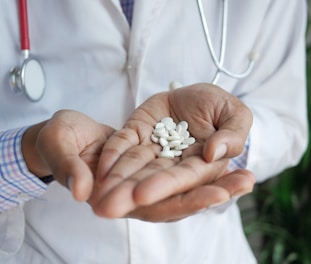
(69, 182)
(220, 152)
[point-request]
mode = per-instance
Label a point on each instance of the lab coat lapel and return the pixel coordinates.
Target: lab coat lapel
(145, 18)
(120, 17)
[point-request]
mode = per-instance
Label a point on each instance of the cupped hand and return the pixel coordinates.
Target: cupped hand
(196, 200)
(132, 181)
(68, 147)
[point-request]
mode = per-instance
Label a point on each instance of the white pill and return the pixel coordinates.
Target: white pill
(172, 138)
(166, 154)
(154, 138)
(173, 132)
(166, 148)
(159, 130)
(163, 142)
(181, 147)
(170, 126)
(179, 129)
(167, 120)
(186, 134)
(189, 141)
(158, 125)
(184, 125)
(174, 143)
(165, 134)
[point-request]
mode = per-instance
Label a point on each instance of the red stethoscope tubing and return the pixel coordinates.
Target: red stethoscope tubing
(24, 31)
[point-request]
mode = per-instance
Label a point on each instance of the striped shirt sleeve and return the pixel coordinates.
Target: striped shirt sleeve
(17, 183)
(240, 161)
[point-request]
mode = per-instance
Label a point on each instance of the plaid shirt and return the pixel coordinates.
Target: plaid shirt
(127, 7)
(240, 161)
(17, 183)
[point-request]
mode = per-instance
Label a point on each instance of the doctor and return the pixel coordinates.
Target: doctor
(96, 64)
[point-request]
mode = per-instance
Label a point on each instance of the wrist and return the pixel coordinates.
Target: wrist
(32, 158)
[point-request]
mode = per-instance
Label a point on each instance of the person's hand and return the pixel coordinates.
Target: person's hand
(68, 147)
(132, 182)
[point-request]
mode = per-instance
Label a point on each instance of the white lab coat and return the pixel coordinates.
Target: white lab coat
(96, 65)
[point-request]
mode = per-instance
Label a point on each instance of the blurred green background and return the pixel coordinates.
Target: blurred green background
(277, 215)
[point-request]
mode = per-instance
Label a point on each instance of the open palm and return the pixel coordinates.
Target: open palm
(132, 181)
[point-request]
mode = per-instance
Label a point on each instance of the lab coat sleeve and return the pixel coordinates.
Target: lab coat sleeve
(276, 91)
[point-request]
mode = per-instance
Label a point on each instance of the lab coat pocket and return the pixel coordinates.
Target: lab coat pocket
(26, 255)
(12, 231)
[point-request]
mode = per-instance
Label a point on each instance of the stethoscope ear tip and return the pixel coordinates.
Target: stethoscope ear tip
(174, 85)
(254, 55)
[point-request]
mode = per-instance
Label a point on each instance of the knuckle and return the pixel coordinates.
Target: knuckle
(140, 153)
(110, 152)
(127, 135)
(136, 154)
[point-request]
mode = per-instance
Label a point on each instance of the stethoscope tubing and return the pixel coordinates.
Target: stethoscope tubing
(34, 67)
(24, 28)
(220, 61)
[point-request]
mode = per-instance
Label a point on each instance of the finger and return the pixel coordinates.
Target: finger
(232, 124)
(76, 176)
(115, 146)
(237, 183)
(181, 206)
(155, 182)
(67, 167)
(119, 200)
(225, 143)
(129, 163)
(137, 161)
(62, 158)
(189, 173)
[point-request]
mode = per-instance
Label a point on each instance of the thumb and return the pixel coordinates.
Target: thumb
(65, 164)
(74, 174)
(233, 126)
(223, 144)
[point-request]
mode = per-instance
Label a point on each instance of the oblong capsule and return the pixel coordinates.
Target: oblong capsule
(167, 154)
(189, 141)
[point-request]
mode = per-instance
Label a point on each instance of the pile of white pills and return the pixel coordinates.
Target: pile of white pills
(173, 138)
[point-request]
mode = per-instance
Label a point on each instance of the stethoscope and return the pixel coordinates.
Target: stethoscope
(252, 57)
(29, 78)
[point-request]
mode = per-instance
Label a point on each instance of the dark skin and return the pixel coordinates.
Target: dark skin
(119, 173)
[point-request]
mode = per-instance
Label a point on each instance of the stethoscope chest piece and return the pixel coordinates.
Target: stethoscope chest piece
(29, 79)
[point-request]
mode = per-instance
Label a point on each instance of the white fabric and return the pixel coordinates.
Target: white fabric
(94, 64)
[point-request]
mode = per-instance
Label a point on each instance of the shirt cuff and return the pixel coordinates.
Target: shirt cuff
(17, 183)
(240, 161)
